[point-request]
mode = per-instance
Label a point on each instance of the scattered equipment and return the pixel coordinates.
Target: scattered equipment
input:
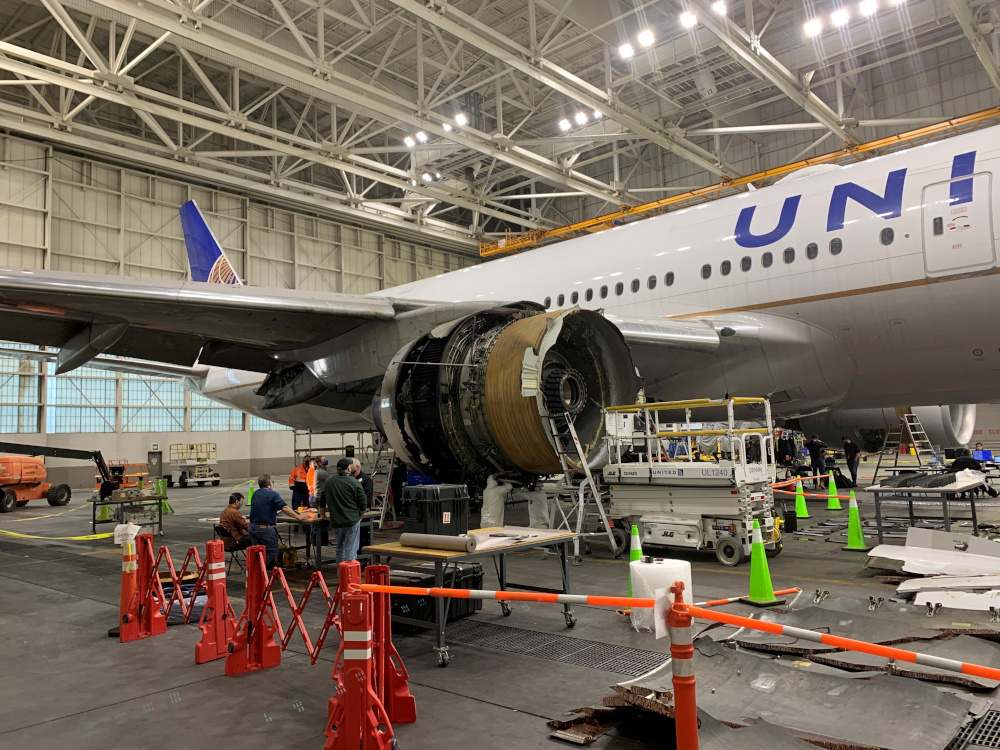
(22, 479)
(193, 463)
(688, 503)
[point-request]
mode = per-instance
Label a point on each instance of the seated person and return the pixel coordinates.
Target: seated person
(965, 461)
(235, 523)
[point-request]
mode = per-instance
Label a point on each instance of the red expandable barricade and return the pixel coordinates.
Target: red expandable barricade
(144, 617)
(218, 621)
(253, 647)
(390, 675)
(357, 719)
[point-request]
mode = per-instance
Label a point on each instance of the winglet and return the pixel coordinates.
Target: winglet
(205, 254)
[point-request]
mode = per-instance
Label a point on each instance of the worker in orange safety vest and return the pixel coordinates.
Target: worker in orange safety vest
(302, 482)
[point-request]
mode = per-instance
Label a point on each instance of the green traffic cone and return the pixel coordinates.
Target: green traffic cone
(635, 553)
(761, 591)
(801, 511)
(855, 536)
(833, 502)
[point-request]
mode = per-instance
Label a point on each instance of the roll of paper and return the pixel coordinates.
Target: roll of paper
(647, 577)
(439, 541)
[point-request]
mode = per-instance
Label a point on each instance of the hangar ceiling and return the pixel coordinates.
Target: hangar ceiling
(463, 120)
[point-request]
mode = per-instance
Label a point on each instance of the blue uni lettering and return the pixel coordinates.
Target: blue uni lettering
(889, 206)
(746, 238)
(961, 190)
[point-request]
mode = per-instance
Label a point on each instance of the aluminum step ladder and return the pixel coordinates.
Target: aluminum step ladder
(568, 447)
(381, 473)
(908, 431)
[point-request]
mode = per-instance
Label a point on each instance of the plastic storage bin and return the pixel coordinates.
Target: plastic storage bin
(467, 576)
(436, 509)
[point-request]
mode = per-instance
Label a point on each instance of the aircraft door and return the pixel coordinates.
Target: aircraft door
(958, 226)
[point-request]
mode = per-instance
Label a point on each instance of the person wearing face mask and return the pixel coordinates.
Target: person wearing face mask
(235, 523)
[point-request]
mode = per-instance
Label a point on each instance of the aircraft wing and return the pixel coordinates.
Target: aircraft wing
(113, 364)
(179, 322)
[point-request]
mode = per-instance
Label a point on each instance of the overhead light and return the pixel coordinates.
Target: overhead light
(461, 119)
(626, 51)
(868, 7)
(437, 175)
(646, 37)
(597, 115)
(719, 7)
(581, 118)
(413, 182)
(564, 125)
(840, 17)
(447, 127)
(426, 177)
(688, 19)
(422, 136)
(813, 27)
(410, 143)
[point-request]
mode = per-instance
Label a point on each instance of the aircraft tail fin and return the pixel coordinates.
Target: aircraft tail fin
(205, 254)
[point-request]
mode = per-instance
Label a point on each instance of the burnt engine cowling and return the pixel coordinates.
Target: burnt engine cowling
(474, 396)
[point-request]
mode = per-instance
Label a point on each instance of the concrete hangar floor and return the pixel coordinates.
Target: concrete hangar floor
(67, 684)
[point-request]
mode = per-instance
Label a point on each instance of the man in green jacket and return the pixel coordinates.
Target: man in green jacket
(345, 502)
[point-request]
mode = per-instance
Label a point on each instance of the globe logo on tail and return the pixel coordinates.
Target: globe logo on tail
(222, 272)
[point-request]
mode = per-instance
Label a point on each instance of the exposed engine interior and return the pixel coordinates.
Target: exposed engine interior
(474, 397)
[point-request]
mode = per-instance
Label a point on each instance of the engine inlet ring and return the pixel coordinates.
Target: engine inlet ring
(565, 391)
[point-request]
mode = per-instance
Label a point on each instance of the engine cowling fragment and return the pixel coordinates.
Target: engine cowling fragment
(474, 396)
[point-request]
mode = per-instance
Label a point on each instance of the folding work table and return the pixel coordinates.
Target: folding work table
(945, 494)
(560, 540)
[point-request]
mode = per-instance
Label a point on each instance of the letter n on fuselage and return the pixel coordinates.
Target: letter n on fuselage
(888, 206)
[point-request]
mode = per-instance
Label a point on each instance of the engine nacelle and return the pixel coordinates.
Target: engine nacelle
(474, 396)
(946, 426)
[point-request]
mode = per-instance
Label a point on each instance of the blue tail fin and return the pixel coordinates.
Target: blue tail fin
(208, 261)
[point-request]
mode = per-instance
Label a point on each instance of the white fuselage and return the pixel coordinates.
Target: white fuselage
(914, 311)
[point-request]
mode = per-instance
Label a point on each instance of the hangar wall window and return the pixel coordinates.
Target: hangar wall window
(887, 236)
(789, 254)
(604, 292)
(259, 424)
(812, 251)
(706, 271)
(635, 285)
(766, 260)
(84, 401)
(151, 405)
(726, 267)
(574, 298)
(547, 303)
(589, 295)
(745, 263)
(208, 415)
(619, 288)
(560, 300)
(651, 282)
(669, 278)
(20, 393)
(836, 245)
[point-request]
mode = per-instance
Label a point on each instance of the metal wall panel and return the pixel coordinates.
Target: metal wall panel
(24, 202)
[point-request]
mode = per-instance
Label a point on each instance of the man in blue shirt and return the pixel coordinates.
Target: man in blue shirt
(264, 516)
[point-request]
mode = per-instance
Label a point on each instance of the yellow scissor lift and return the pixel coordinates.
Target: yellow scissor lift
(193, 463)
(678, 500)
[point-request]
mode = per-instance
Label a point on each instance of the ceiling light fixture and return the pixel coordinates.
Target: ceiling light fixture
(410, 143)
(813, 27)
(868, 7)
(425, 177)
(626, 51)
(840, 17)
(461, 119)
(581, 118)
(422, 136)
(564, 125)
(719, 7)
(646, 38)
(688, 19)
(447, 127)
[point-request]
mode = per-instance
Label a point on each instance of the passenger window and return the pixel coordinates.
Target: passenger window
(560, 300)
(669, 278)
(651, 282)
(574, 298)
(589, 295)
(836, 245)
(812, 251)
(938, 226)
(789, 255)
(635, 285)
(726, 267)
(766, 260)
(745, 263)
(604, 292)
(706, 271)
(887, 236)
(619, 288)
(547, 303)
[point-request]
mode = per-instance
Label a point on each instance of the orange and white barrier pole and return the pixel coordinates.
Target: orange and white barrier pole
(130, 569)
(682, 665)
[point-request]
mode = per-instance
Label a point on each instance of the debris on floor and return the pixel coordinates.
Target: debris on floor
(929, 552)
